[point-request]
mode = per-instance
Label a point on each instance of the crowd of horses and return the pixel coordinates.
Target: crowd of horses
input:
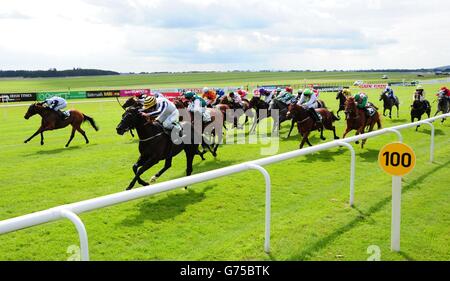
(155, 144)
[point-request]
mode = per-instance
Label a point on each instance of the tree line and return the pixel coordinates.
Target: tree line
(53, 72)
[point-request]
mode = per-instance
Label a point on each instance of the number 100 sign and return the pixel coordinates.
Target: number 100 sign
(397, 159)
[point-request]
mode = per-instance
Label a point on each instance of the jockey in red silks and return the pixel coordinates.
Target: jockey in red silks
(242, 93)
(445, 92)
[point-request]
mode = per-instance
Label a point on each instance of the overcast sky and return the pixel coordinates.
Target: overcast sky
(182, 35)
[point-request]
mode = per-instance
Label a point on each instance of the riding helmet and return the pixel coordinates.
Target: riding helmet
(149, 102)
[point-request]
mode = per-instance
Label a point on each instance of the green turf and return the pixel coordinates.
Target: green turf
(222, 219)
(193, 80)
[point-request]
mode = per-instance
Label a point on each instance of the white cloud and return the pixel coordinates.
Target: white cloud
(158, 35)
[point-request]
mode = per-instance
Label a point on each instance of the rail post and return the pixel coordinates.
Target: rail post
(352, 172)
(82, 234)
(268, 200)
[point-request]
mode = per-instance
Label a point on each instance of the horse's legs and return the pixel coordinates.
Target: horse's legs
(35, 134)
(418, 119)
(390, 112)
(141, 170)
(384, 111)
(42, 138)
(72, 134)
(167, 165)
(305, 139)
(135, 169)
(346, 132)
(321, 129)
(81, 131)
(189, 151)
(334, 133)
(292, 127)
(397, 110)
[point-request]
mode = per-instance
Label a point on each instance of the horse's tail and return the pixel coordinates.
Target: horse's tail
(334, 117)
(91, 120)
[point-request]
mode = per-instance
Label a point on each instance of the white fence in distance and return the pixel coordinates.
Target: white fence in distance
(70, 211)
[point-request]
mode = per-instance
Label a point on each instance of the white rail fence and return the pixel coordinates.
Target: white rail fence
(70, 211)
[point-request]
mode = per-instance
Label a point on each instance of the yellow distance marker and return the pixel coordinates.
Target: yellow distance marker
(397, 159)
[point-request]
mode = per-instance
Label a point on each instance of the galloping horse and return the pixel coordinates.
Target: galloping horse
(306, 124)
(443, 105)
(342, 98)
(357, 119)
(215, 114)
(388, 103)
(52, 121)
(238, 112)
(154, 145)
(418, 109)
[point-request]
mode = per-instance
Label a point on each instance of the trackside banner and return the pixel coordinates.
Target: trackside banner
(372, 86)
(327, 88)
(103, 94)
(129, 93)
(17, 97)
(66, 95)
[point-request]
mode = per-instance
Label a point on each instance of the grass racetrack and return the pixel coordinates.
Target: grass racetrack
(223, 219)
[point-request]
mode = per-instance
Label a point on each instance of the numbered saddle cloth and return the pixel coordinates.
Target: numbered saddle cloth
(370, 111)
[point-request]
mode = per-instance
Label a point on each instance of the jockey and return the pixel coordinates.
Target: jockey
(347, 92)
(362, 103)
(308, 100)
(57, 103)
(268, 95)
(286, 96)
(445, 92)
(220, 93)
(209, 96)
(164, 110)
(390, 93)
(277, 91)
(236, 99)
(197, 105)
(419, 94)
(242, 93)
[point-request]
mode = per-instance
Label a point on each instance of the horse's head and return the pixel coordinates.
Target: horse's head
(339, 94)
(350, 106)
(383, 96)
(130, 119)
(132, 101)
(32, 110)
(294, 110)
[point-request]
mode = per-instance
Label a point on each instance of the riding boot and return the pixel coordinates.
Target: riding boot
(316, 117)
(62, 115)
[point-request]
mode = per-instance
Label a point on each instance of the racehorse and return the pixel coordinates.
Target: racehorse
(388, 103)
(342, 98)
(215, 114)
(52, 121)
(357, 119)
(418, 109)
(238, 112)
(154, 146)
(306, 124)
(443, 105)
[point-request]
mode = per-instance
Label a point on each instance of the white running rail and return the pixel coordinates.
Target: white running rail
(70, 211)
